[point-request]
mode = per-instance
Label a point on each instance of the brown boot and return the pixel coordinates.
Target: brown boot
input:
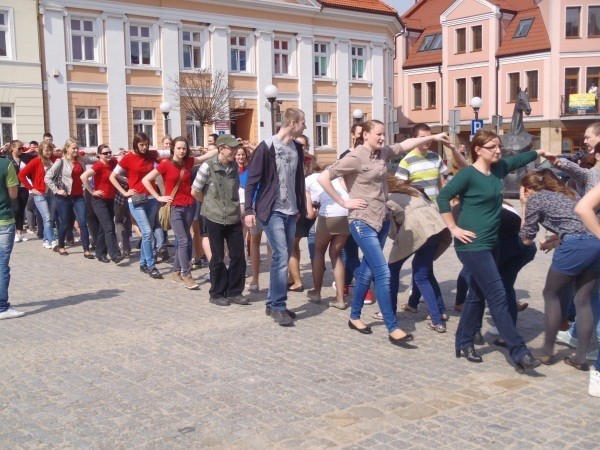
(176, 277)
(189, 282)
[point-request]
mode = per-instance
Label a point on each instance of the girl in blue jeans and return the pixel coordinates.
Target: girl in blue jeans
(364, 171)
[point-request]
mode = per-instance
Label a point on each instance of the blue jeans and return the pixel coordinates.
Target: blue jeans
(66, 206)
(487, 285)
(311, 240)
(181, 221)
(373, 265)
(426, 284)
(42, 203)
(144, 215)
(7, 240)
(280, 230)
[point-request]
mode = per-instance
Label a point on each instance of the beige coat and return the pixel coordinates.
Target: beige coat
(414, 220)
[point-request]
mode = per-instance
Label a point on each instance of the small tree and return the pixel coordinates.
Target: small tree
(206, 95)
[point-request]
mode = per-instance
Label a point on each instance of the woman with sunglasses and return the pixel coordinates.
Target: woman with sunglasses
(64, 180)
(476, 234)
(103, 204)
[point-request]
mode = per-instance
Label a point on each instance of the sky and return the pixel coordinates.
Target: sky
(400, 5)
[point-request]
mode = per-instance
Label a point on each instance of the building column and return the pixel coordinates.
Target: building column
(343, 94)
(219, 54)
(305, 83)
(118, 126)
(56, 71)
(264, 77)
(169, 30)
(378, 80)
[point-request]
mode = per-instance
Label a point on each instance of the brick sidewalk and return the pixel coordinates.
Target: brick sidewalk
(108, 358)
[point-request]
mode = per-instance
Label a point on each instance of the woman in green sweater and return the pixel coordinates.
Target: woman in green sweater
(479, 187)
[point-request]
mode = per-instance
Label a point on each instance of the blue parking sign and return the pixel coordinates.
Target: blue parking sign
(476, 125)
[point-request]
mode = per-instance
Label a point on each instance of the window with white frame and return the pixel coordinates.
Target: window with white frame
(461, 92)
(431, 95)
(322, 127)
(417, 96)
(143, 122)
(140, 45)
(238, 49)
(83, 40)
(281, 57)
(7, 123)
(195, 131)
(321, 58)
(191, 44)
(88, 123)
(358, 62)
(5, 34)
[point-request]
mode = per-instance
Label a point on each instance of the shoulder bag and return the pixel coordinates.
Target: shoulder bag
(164, 213)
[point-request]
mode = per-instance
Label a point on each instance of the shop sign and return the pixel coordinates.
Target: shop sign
(582, 103)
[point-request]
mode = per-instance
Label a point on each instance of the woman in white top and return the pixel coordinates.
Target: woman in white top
(332, 232)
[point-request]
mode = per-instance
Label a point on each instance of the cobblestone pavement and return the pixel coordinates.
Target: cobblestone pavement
(108, 358)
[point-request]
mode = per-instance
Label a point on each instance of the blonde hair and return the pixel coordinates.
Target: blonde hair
(68, 143)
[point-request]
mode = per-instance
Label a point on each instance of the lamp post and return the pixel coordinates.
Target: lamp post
(358, 115)
(476, 103)
(271, 93)
(165, 108)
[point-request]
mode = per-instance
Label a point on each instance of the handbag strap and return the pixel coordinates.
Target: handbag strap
(174, 191)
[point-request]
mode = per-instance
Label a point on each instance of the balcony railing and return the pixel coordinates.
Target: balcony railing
(578, 109)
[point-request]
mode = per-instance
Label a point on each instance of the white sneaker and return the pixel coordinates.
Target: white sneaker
(23, 237)
(253, 287)
(18, 237)
(493, 331)
(594, 389)
(564, 337)
(12, 313)
(47, 244)
(54, 245)
(592, 356)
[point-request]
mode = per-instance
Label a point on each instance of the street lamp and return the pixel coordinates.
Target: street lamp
(271, 93)
(476, 103)
(165, 107)
(358, 115)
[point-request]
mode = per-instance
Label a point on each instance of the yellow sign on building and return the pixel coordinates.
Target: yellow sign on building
(585, 102)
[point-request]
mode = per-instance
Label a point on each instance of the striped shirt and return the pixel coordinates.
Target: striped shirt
(423, 171)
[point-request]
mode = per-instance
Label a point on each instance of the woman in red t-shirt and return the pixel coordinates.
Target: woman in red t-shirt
(103, 204)
(64, 180)
(137, 164)
(176, 170)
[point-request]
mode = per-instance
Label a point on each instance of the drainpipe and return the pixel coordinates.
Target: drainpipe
(441, 96)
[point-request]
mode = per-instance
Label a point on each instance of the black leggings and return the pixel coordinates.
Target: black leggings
(18, 206)
(555, 283)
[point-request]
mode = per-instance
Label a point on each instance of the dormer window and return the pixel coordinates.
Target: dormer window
(431, 42)
(523, 28)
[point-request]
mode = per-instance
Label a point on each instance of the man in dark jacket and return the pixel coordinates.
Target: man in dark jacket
(275, 196)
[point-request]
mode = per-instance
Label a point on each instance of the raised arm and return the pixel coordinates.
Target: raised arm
(200, 159)
(408, 144)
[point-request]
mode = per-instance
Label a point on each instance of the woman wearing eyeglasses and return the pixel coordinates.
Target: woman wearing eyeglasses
(103, 204)
(476, 240)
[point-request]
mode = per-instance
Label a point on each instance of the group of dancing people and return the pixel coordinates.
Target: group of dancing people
(352, 204)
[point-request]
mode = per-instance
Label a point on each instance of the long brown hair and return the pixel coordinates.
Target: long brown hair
(40, 150)
(396, 186)
(545, 179)
(366, 128)
(481, 138)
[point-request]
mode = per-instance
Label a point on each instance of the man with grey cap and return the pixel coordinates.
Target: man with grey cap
(216, 186)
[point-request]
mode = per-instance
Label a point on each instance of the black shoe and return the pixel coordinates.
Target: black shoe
(365, 330)
(103, 259)
(118, 259)
(219, 301)
(478, 339)
(144, 269)
(154, 273)
(469, 353)
(163, 252)
(282, 318)
(403, 341)
(292, 314)
(238, 300)
(527, 362)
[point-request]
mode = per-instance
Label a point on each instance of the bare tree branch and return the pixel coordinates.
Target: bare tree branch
(206, 95)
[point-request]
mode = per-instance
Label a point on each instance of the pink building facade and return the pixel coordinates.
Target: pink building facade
(453, 50)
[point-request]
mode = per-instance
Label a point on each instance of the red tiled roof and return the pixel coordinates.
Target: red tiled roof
(372, 6)
(425, 14)
(536, 40)
(419, 59)
(514, 5)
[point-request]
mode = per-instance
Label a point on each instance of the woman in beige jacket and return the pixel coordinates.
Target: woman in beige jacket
(417, 228)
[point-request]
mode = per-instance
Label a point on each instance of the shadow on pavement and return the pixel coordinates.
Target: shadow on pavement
(71, 300)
